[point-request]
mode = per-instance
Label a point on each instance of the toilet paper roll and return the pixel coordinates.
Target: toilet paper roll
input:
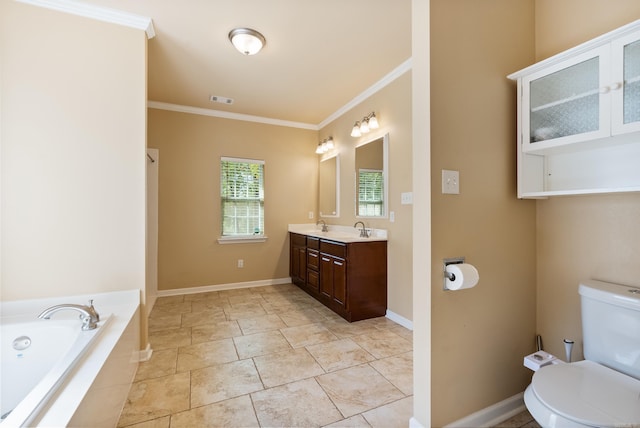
(466, 276)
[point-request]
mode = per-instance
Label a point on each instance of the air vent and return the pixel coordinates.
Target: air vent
(221, 100)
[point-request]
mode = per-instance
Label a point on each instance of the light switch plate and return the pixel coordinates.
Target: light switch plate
(450, 182)
(406, 198)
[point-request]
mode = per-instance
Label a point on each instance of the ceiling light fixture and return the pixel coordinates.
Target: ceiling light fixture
(365, 125)
(247, 40)
(325, 146)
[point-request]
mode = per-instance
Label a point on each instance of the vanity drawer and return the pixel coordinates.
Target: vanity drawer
(333, 248)
(313, 242)
(313, 279)
(313, 257)
(298, 240)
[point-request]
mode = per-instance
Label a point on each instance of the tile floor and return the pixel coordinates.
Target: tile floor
(521, 420)
(269, 357)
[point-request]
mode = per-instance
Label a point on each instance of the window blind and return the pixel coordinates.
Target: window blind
(242, 196)
(370, 187)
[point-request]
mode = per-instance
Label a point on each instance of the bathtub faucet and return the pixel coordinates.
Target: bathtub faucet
(88, 314)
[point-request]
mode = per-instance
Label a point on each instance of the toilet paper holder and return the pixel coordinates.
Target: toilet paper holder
(448, 275)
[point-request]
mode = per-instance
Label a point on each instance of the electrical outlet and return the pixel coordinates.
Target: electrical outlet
(240, 263)
(310, 215)
(450, 182)
(392, 216)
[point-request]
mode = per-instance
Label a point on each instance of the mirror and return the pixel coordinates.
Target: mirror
(329, 187)
(372, 183)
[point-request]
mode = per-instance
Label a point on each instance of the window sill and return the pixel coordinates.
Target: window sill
(242, 239)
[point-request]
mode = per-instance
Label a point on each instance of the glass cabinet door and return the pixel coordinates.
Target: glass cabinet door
(626, 75)
(567, 101)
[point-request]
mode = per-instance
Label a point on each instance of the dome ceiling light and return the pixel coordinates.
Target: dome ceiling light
(247, 40)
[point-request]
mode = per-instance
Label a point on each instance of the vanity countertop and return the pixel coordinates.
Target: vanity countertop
(338, 233)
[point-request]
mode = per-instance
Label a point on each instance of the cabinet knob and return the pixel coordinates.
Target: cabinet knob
(616, 86)
(605, 89)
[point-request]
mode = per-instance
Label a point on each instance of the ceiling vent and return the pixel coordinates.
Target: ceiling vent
(221, 100)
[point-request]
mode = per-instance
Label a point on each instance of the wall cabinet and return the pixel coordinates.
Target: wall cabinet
(579, 119)
(349, 278)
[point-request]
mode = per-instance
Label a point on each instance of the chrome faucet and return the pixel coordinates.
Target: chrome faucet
(325, 228)
(88, 314)
(364, 233)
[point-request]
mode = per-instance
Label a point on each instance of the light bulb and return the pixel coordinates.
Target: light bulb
(355, 132)
(373, 122)
(319, 149)
(330, 144)
(364, 127)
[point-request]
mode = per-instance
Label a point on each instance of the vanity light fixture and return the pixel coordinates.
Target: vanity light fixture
(325, 146)
(247, 40)
(365, 125)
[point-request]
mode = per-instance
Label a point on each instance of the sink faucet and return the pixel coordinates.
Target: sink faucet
(364, 233)
(88, 314)
(325, 228)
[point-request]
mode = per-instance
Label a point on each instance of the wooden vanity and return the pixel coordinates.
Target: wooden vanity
(348, 277)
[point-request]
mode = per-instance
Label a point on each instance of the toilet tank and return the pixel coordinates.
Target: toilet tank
(611, 325)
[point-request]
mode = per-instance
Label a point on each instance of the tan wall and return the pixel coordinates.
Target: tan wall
(73, 154)
(190, 148)
(581, 237)
(480, 335)
(392, 106)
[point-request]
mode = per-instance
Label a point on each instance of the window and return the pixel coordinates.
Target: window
(370, 187)
(242, 196)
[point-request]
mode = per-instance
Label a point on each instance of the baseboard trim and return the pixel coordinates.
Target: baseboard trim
(399, 319)
(219, 287)
(145, 354)
(492, 415)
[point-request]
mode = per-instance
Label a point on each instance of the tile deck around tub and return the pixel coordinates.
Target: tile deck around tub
(269, 356)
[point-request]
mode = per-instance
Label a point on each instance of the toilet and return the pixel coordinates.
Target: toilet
(604, 389)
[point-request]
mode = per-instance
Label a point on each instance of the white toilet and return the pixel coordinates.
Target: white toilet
(604, 389)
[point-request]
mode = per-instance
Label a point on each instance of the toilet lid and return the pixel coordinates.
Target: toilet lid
(589, 393)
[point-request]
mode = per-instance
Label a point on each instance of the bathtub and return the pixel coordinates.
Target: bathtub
(55, 374)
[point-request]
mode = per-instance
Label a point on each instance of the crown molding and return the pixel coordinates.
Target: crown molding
(392, 76)
(99, 13)
(228, 115)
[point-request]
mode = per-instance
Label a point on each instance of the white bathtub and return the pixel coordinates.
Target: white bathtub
(65, 376)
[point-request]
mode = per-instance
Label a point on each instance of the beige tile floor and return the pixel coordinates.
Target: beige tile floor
(269, 357)
(521, 420)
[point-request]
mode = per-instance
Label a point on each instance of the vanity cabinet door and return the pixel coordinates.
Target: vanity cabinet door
(326, 276)
(340, 282)
(298, 259)
(333, 279)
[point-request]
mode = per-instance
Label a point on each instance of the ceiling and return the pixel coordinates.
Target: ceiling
(319, 55)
